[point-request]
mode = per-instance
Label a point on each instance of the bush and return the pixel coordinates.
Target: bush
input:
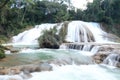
(2, 54)
(63, 31)
(49, 39)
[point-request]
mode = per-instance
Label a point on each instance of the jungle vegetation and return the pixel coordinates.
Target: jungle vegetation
(16, 15)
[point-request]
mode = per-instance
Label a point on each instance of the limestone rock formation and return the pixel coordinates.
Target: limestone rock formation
(26, 69)
(108, 54)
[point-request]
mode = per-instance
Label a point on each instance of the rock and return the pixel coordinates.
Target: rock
(9, 49)
(10, 71)
(98, 61)
(98, 58)
(25, 75)
(45, 67)
(104, 51)
(42, 66)
(30, 68)
(4, 72)
(118, 65)
(14, 70)
(26, 69)
(106, 48)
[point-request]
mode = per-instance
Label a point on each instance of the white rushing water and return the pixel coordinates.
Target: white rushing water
(29, 37)
(77, 31)
(71, 72)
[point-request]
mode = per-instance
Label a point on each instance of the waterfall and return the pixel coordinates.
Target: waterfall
(67, 64)
(77, 32)
(31, 36)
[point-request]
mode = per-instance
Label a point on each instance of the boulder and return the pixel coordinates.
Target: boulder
(98, 58)
(26, 69)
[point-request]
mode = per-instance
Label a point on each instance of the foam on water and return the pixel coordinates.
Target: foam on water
(72, 72)
(78, 31)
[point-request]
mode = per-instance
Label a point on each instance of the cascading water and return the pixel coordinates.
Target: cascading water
(113, 59)
(77, 32)
(75, 64)
(64, 72)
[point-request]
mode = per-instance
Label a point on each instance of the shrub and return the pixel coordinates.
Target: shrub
(49, 39)
(2, 54)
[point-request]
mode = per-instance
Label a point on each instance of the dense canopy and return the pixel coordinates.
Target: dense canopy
(17, 15)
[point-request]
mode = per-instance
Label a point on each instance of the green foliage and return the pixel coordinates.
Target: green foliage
(3, 39)
(2, 54)
(63, 31)
(49, 39)
(104, 11)
(13, 18)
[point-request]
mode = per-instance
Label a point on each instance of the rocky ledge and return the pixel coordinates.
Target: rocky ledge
(25, 70)
(108, 54)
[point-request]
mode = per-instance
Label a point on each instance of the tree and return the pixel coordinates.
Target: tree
(3, 3)
(2, 54)
(49, 39)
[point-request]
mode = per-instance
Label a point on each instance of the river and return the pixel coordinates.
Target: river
(67, 64)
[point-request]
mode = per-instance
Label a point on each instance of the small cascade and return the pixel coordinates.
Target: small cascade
(83, 47)
(113, 59)
(77, 32)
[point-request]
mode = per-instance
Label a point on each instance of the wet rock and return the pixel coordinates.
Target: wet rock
(106, 48)
(4, 72)
(118, 65)
(30, 68)
(104, 51)
(25, 75)
(26, 69)
(10, 71)
(98, 58)
(14, 70)
(43, 66)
